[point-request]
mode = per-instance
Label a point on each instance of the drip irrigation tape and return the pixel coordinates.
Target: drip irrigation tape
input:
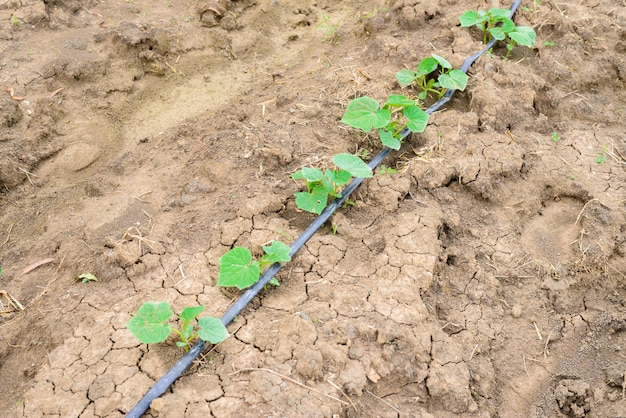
(185, 361)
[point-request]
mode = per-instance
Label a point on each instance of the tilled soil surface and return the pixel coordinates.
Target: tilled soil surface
(141, 140)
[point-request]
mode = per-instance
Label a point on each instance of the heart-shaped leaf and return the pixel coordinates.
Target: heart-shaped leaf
(149, 325)
(237, 269)
(405, 77)
(388, 139)
(523, 35)
(353, 165)
(212, 330)
(364, 113)
(418, 119)
(455, 79)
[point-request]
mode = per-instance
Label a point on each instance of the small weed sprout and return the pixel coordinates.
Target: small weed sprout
(239, 269)
(496, 24)
(601, 159)
(397, 114)
(449, 78)
(328, 183)
(548, 44)
(384, 170)
(555, 137)
(15, 21)
(330, 29)
(86, 278)
(150, 325)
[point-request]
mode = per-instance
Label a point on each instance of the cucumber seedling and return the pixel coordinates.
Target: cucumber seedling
(449, 78)
(328, 183)
(239, 269)
(397, 114)
(150, 325)
(496, 24)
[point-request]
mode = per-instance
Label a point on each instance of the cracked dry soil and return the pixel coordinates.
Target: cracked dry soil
(484, 279)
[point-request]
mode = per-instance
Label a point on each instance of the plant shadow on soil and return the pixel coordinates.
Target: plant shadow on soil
(484, 278)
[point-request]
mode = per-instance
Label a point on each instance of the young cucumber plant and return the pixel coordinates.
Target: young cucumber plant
(239, 269)
(396, 115)
(449, 78)
(150, 325)
(324, 184)
(496, 24)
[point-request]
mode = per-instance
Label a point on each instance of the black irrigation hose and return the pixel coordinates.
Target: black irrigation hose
(185, 361)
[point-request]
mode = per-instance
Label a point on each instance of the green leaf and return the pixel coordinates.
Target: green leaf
(418, 119)
(212, 330)
(469, 18)
(311, 175)
(352, 164)
(274, 282)
(149, 325)
(399, 100)
(405, 77)
(313, 202)
(499, 13)
(523, 35)
(237, 269)
(444, 63)
(277, 252)
(455, 79)
(189, 313)
(339, 177)
(425, 67)
(507, 25)
(363, 113)
(388, 140)
(497, 33)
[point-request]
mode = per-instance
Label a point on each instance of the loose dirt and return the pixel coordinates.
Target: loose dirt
(143, 139)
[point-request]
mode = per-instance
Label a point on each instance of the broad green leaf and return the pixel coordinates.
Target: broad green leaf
(418, 119)
(497, 33)
(442, 61)
(189, 313)
(149, 325)
(313, 202)
(237, 269)
(339, 177)
(469, 18)
(277, 252)
(297, 175)
(388, 140)
(425, 67)
(455, 79)
(311, 175)
(422, 95)
(405, 77)
(399, 100)
(507, 25)
(499, 13)
(523, 35)
(212, 330)
(363, 113)
(352, 164)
